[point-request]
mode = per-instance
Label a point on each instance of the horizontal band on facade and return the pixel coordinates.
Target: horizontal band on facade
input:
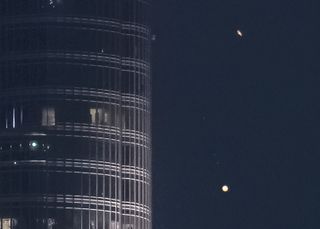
(134, 136)
(73, 134)
(93, 210)
(124, 31)
(86, 94)
(104, 133)
(103, 168)
(116, 60)
(93, 203)
(64, 171)
(102, 23)
(109, 130)
(103, 138)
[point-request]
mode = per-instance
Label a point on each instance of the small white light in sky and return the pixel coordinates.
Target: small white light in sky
(225, 188)
(239, 33)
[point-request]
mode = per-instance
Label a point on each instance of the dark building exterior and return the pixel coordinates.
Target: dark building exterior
(75, 132)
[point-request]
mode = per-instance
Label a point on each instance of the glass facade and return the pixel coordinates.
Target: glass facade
(75, 136)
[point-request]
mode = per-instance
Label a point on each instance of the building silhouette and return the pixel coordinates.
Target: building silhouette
(75, 133)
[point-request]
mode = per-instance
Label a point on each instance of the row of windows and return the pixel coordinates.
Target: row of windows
(73, 148)
(8, 223)
(71, 39)
(17, 116)
(133, 10)
(56, 74)
(67, 39)
(27, 182)
(66, 219)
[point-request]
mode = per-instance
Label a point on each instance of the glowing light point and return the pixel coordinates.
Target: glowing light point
(240, 34)
(225, 188)
(34, 145)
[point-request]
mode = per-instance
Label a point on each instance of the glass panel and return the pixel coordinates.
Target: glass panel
(8, 223)
(99, 116)
(80, 66)
(48, 116)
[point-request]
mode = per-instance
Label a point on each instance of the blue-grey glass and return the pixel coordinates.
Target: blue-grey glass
(75, 136)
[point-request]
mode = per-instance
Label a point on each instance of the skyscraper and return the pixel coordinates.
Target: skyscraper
(75, 134)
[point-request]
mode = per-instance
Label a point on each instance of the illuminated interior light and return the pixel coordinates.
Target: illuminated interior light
(34, 145)
(14, 118)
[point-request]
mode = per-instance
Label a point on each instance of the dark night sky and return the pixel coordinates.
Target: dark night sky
(241, 111)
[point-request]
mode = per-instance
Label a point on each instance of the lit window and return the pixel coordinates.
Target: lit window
(7, 223)
(48, 116)
(51, 222)
(99, 116)
(92, 225)
(93, 115)
(114, 225)
(13, 117)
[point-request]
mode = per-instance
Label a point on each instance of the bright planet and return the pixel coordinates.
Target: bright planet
(225, 188)
(239, 33)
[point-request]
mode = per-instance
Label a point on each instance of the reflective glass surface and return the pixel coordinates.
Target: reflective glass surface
(75, 136)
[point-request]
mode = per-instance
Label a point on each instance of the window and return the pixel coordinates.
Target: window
(51, 222)
(48, 116)
(99, 116)
(114, 225)
(11, 117)
(7, 223)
